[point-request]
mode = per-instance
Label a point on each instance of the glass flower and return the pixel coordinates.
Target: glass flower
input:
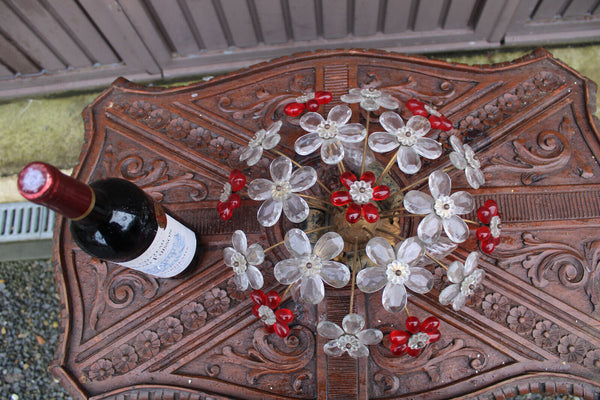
(329, 134)
(265, 309)
(416, 336)
(436, 119)
(309, 101)
(312, 266)
(358, 196)
(351, 337)
(229, 200)
(394, 271)
(244, 259)
(408, 138)
(280, 193)
(371, 99)
(463, 157)
(464, 278)
(262, 140)
(489, 236)
(441, 209)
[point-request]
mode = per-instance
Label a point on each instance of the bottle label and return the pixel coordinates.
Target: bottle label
(170, 253)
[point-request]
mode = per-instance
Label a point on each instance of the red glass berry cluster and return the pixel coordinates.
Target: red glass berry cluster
(276, 321)
(489, 235)
(355, 210)
(237, 181)
(416, 337)
(436, 119)
(312, 103)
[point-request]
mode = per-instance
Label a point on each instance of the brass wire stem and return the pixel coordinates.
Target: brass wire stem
(406, 311)
(307, 232)
(354, 262)
(297, 164)
(394, 214)
(388, 167)
(363, 165)
(272, 247)
(387, 232)
(341, 167)
(436, 261)
(468, 221)
(405, 188)
(287, 290)
(318, 203)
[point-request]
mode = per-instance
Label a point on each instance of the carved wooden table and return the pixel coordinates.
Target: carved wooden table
(534, 325)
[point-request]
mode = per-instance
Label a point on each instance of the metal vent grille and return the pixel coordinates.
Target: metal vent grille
(25, 221)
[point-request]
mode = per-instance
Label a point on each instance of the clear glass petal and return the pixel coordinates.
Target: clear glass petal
(428, 148)
(269, 212)
(332, 349)
(310, 121)
(257, 153)
(228, 255)
(471, 263)
(420, 280)
(271, 141)
(351, 97)
(449, 293)
(475, 177)
(260, 189)
(439, 184)
(332, 151)
(295, 208)
(419, 124)
(380, 251)
(297, 243)
(391, 122)
(369, 104)
(340, 114)
(353, 323)
(370, 336)
(382, 142)
(287, 271)
(361, 352)
(312, 289)
(456, 272)
(273, 129)
(409, 251)
(241, 281)
(430, 228)
(463, 202)
(239, 241)
(308, 143)
(457, 160)
(353, 155)
(255, 254)
(409, 161)
(394, 297)
(255, 277)
(457, 145)
(439, 249)
(456, 229)
(303, 178)
(417, 202)
(329, 246)
(281, 169)
(329, 330)
(352, 133)
(371, 279)
(387, 101)
(459, 302)
(335, 274)
(246, 153)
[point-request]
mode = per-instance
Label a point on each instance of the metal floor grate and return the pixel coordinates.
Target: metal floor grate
(25, 221)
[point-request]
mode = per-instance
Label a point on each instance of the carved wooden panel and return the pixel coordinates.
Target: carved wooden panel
(533, 326)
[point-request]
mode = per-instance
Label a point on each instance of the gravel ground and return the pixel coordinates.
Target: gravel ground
(29, 309)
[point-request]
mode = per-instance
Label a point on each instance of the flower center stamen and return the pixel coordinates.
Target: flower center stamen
(397, 272)
(444, 206)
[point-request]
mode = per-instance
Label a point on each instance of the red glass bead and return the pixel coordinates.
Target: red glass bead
(347, 179)
(269, 328)
(284, 315)
(492, 206)
(445, 124)
(399, 337)
(272, 299)
(488, 247)
(312, 105)
(414, 352)
(483, 233)
(225, 210)
(340, 198)
(323, 97)
(414, 104)
(255, 310)
(381, 192)
(434, 336)
(484, 214)
(353, 213)
(370, 213)
(282, 330)
(258, 297)
(294, 109)
(237, 180)
(430, 324)
(495, 240)
(413, 324)
(369, 177)
(399, 349)
(235, 200)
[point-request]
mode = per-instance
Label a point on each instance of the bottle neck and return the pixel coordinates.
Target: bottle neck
(44, 184)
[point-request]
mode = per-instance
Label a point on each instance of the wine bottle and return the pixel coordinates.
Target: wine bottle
(113, 219)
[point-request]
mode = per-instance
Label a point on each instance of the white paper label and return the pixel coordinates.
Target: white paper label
(169, 254)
